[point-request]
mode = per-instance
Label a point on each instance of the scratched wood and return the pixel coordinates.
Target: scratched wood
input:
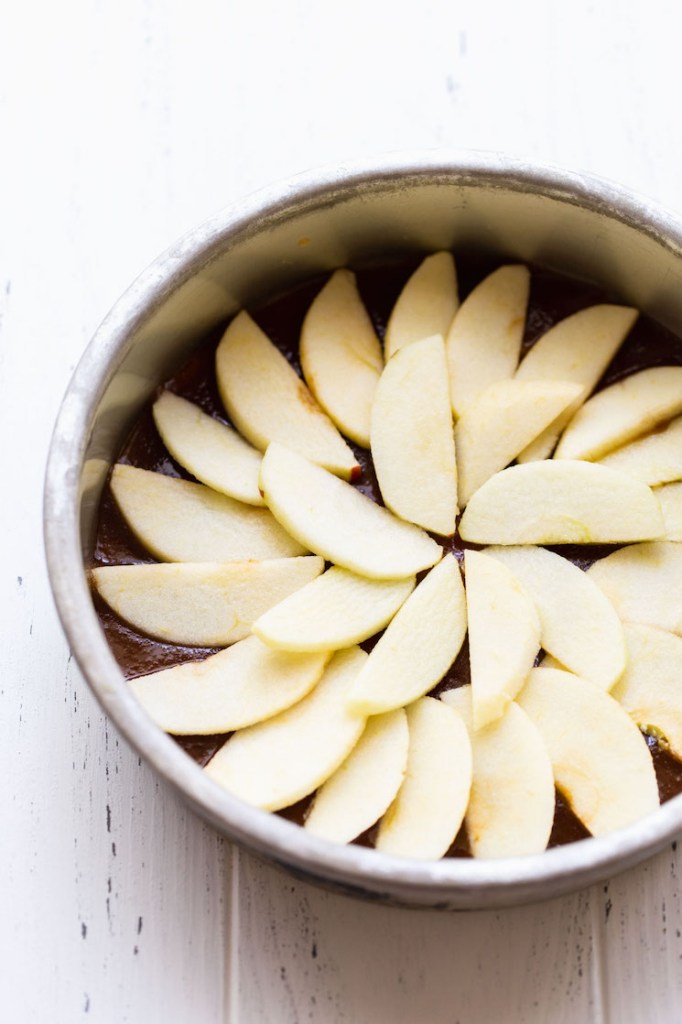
(122, 125)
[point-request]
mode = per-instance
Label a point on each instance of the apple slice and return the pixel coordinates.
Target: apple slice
(365, 785)
(275, 763)
(511, 807)
(578, 624)
(180, 521)
(577, 349)
(643, 582)
(622, 412)
(654, 459)
(561, 503)
(418, 647)
(267, 401)
(425, 817)
(338, 345)
(425, 306)
(203, 604)
(504, 635)
(334, 611)
(412, 441)
(339, 522)
(600, 759)
(651, 687)
(244, 684)
(211, 451)
(499, 422)
(484, 341)
(670, 497)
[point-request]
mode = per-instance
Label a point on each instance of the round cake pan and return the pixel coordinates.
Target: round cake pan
(257, 248)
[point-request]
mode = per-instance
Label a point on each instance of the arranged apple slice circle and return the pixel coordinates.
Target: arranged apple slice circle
(425, 306)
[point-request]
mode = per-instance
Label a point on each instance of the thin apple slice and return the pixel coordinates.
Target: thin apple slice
(418, 647)
(277, 762)
(504, 635)
(339, 522)
(267, 401)
(334, 611)
(622, 412)
(670, 497)
(600, 759)
(643, 582)
(365, 785)
(500, 422)
(412, 441)
(511, 807)
(578, 624)
(651, 687)
(561, 503)
(425, 306)
(425, 817)
(244, 684)
(654, 459)
(339, 345)
(180, 521)
(203, 604)
(211, 451)
(484, 341)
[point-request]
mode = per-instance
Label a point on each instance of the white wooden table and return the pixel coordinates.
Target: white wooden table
(122, 124)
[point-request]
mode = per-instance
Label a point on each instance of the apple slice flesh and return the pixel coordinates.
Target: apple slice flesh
(670, 498)
(338, 345)
(511, 807)
(643, 582)
(211, 451)
(500, 422)
(365, 785)
(600, 759)
(334, 611)
(577, 349)
(504, 635)
(425, 817)
(267, 401)
(655, 459)
(484, 341)
(425, 306)
(412, 441)
(419, 645)
(339, 522)
(622, 412)
(204, 604)
(651, 687)
(277, 762)
(578, 624)
(243, 684)
(180, 521)
(562, 502)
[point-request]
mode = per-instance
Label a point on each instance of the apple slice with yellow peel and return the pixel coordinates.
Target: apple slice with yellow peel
(334, 611)
(504, 635)
(600, 759)
(339, 522)
(578, 624)
(267, 401)
(243, 684)
(511, 807)
(651, 687)
(567, 502)
(426, 815)
(277, 762)
(643, 582)
(577, 349)
(654, 459)
(418, 647)
(211, 451)
(203, 604)
(425, 306)
(622, 412)
(670, 497)
(484, 341)
(499, 422)
(365, 785)
(412, 440)
(180, 521)
(339, 345)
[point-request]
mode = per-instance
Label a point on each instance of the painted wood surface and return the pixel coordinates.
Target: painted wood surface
(122, 125)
